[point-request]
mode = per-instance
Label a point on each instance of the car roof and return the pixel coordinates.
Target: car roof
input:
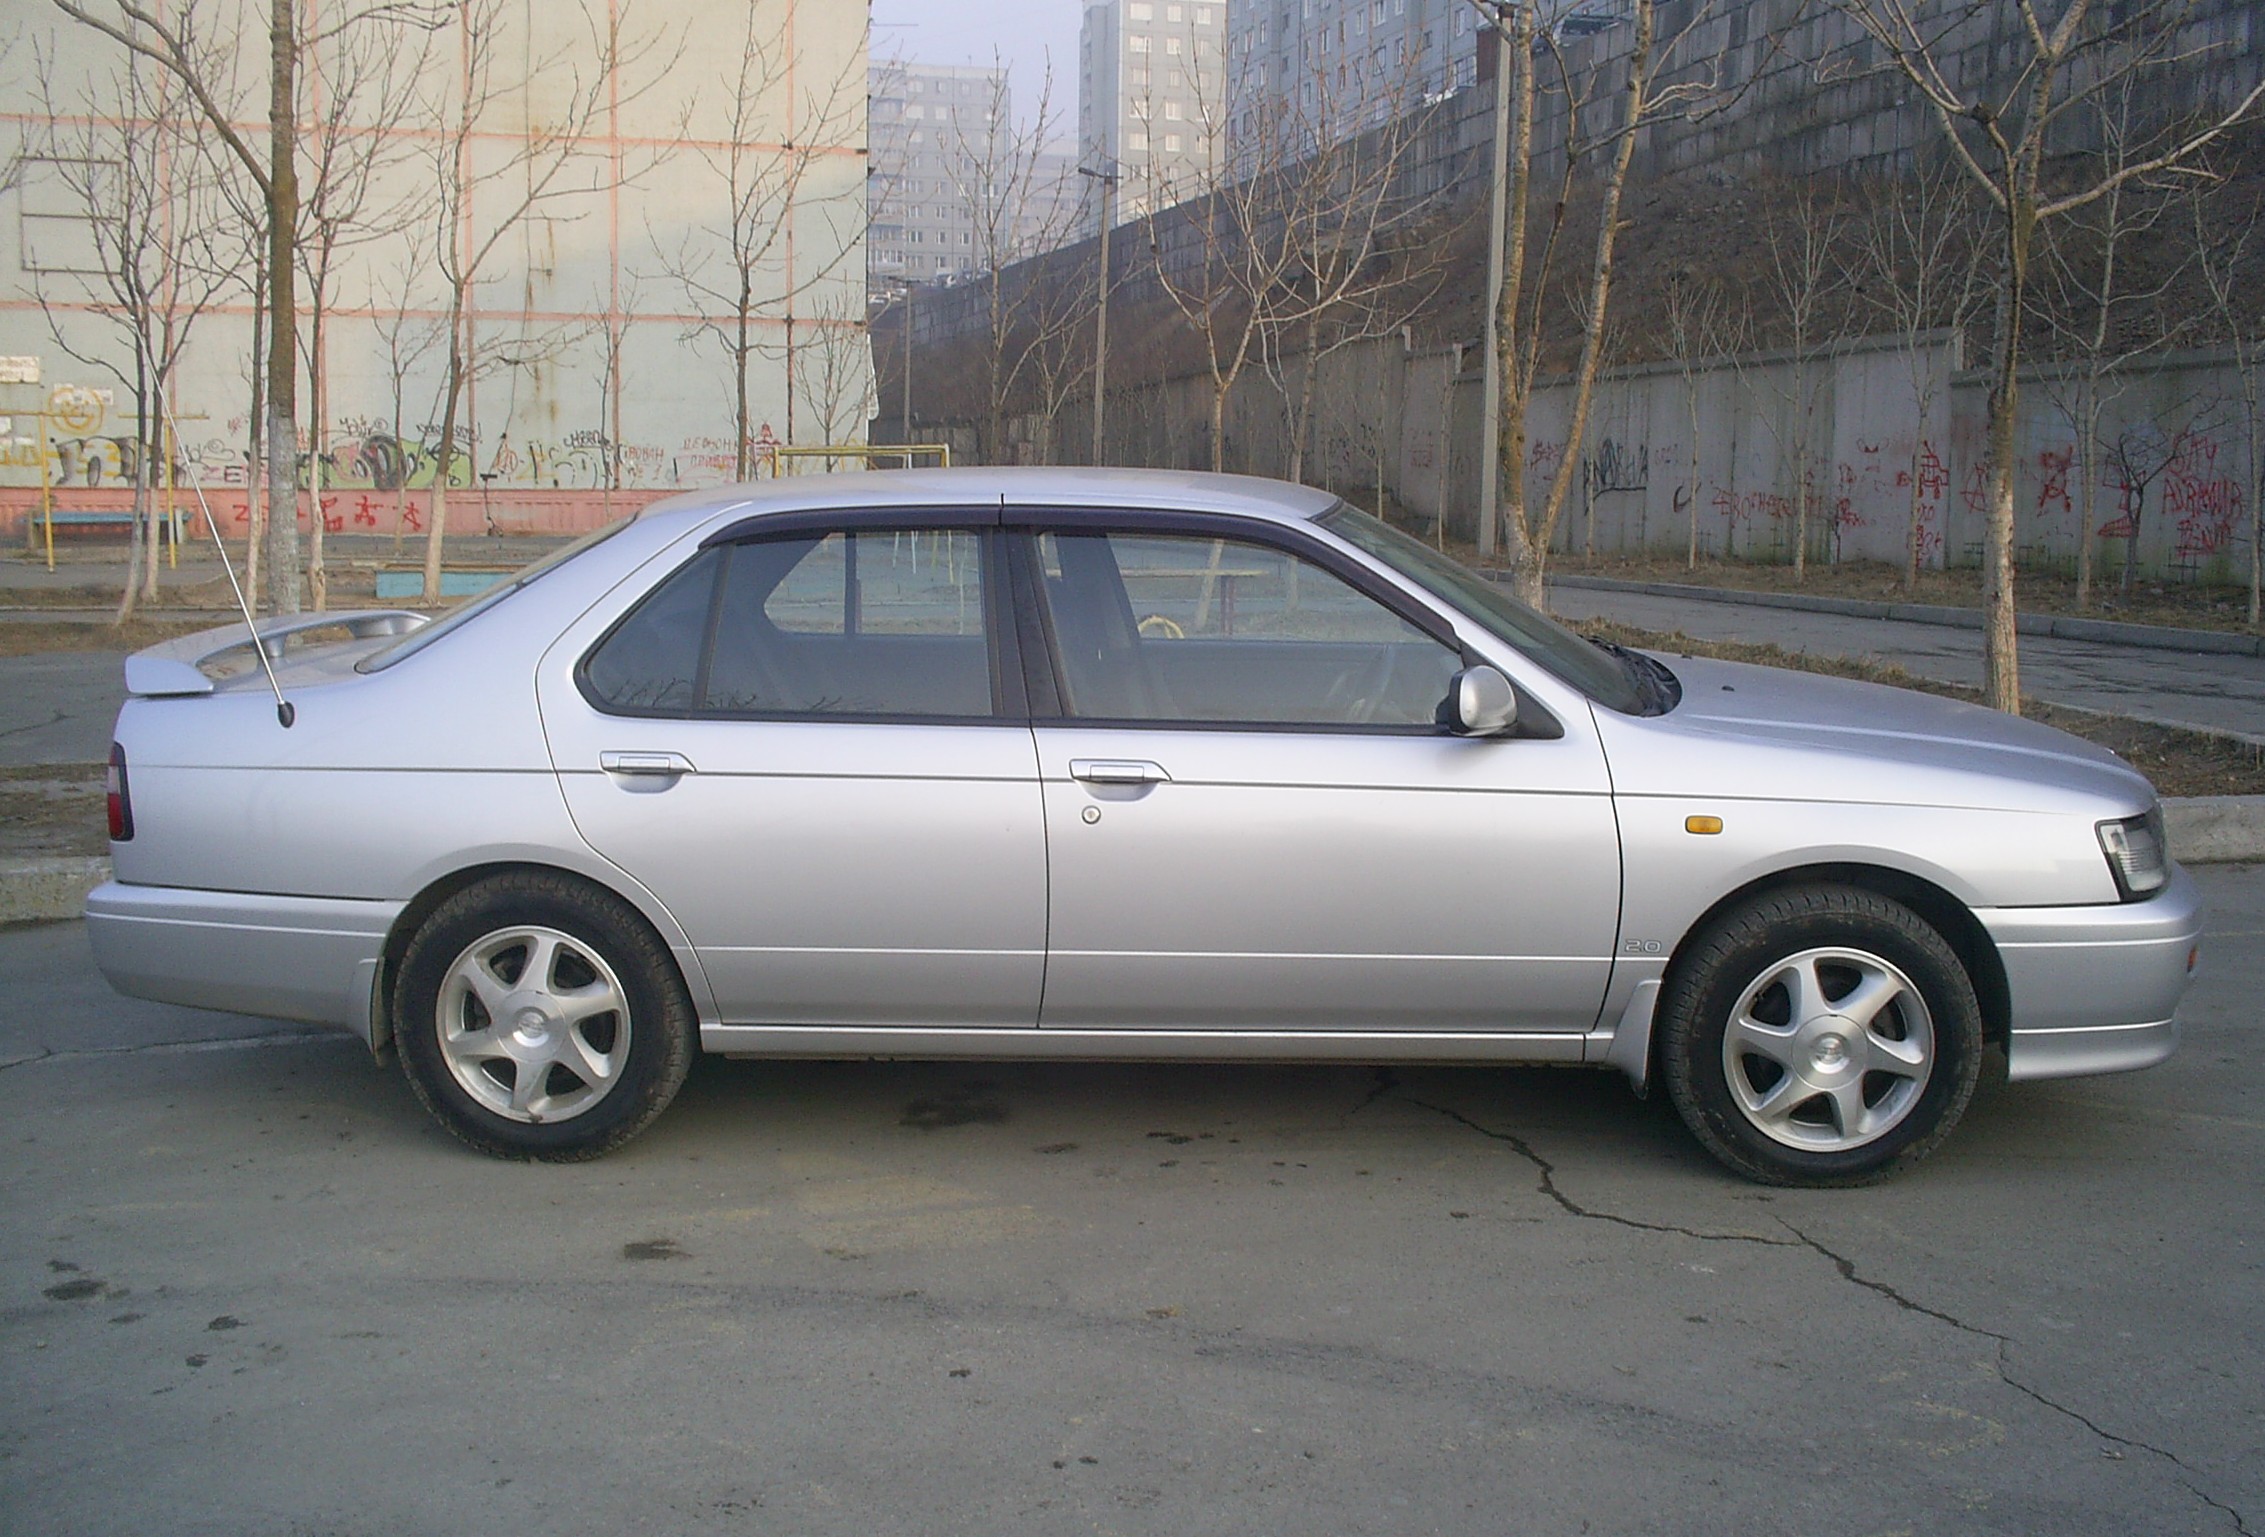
(1010, 486)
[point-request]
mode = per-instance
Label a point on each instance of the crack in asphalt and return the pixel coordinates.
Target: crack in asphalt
(2001, 1343)
(180, 1048)
(1548, 1186)
(37, 725)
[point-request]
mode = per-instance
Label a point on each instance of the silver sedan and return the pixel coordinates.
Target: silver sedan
(1105, 764)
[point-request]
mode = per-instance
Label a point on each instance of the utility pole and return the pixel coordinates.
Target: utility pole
(1108, 181)
(908, 368)
(1490, 408)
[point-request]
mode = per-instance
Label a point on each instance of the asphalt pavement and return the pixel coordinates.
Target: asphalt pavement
(249, 1287)
(2214, 692)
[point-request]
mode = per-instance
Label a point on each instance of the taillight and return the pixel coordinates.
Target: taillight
(120, 800)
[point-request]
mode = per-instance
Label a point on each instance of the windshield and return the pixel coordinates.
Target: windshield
(1602, 676)
(424, 635)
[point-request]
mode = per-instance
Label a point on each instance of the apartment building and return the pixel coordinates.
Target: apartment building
(1152, 98)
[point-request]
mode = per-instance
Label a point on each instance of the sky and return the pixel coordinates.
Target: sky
(1024, 33)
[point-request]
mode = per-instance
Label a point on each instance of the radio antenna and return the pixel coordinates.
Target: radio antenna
(284, 711)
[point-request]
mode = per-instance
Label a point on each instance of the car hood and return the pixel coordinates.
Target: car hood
(1771, 731)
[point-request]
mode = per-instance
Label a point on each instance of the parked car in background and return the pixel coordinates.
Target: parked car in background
(1126, 765)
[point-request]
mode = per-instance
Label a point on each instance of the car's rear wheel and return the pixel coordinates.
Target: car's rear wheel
(538, 1017)
(1823, 1035)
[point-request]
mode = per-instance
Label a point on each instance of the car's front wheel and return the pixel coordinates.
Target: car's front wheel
(1823, 1035)
(538, 1017)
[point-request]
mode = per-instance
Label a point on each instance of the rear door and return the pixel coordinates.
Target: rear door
(1255, 821)
(811, 746)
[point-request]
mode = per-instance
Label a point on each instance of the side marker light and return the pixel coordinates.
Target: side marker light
(1702, 825)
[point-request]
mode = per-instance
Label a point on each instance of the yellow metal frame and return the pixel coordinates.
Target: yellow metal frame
(866, 453)
(169, 518)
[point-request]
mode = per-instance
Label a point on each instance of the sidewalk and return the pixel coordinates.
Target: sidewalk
(2204, 688)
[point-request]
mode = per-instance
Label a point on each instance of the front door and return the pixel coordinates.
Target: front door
(1255, 822)
(800, 745)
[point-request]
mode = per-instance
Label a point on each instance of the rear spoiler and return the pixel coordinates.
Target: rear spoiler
(177, 666)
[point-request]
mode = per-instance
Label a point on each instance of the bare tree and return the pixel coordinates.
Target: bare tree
(1641, 97)
(149, 199)
(1698, 326)
(355, 85)
(834, 369)
(407, 336)
(179, 40)
(2225, 254)
(1997, 133)
(1803, 276)
(1286, 227)
(2087, 278)
(1921, 246)
(734, 267)
(999, 173)
(543, 164)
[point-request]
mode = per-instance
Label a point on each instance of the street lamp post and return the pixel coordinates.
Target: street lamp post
(1108, 181)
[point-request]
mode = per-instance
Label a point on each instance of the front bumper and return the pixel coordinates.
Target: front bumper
(305, 958)
(2093, 989)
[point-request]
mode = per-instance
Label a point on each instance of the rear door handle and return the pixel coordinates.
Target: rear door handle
(661, 765)
(1117, 771)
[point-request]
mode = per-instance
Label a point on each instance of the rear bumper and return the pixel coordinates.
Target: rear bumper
(304, 958)
(2093, 989)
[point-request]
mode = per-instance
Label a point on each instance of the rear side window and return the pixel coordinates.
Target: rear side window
(886, 624)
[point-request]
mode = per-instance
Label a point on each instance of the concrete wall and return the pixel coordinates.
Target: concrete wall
(1868, 434)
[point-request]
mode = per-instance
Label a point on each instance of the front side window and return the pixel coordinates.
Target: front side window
(1174, 628)
(867, 624)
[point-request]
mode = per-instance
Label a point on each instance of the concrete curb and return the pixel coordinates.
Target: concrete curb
(40, 890)
(2109, 632)
(2204, 829)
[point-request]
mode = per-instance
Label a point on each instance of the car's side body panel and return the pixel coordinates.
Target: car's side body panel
(830, 874)
(1287, 880)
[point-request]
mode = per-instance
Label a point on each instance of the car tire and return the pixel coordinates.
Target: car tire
(539, 1017)
(1820, 1036)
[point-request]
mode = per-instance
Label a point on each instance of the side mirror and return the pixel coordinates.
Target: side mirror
(1481, 702)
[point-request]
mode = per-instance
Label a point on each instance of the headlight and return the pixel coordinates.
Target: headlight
(2136, 854)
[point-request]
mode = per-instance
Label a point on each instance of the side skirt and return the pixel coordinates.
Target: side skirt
(826, 1041)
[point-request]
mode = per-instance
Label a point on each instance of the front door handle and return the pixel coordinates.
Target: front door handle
(660, 765)
(1117, 771)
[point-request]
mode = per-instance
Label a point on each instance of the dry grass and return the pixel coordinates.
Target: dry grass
(2188, 605)
(30, 637)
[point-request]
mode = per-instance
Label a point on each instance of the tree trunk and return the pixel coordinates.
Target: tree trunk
(2087, 478)
(742, 468)
(1600, 296)
(445, 456)
(1515, 73)
(282, 400)
(1219, 423)
(318, 579)
(255, 502)
(1914, 533)
(2001, 661)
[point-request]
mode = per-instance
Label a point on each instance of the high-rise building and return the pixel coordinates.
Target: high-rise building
(1152, 98)
(939, 133)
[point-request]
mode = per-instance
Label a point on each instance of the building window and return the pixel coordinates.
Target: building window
(1140, 10)
(1171, 144)
(1203, 15)
(1171, 111)
(1137, 43)
(1137, 140)
(1172, 46)
(1173, 13)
